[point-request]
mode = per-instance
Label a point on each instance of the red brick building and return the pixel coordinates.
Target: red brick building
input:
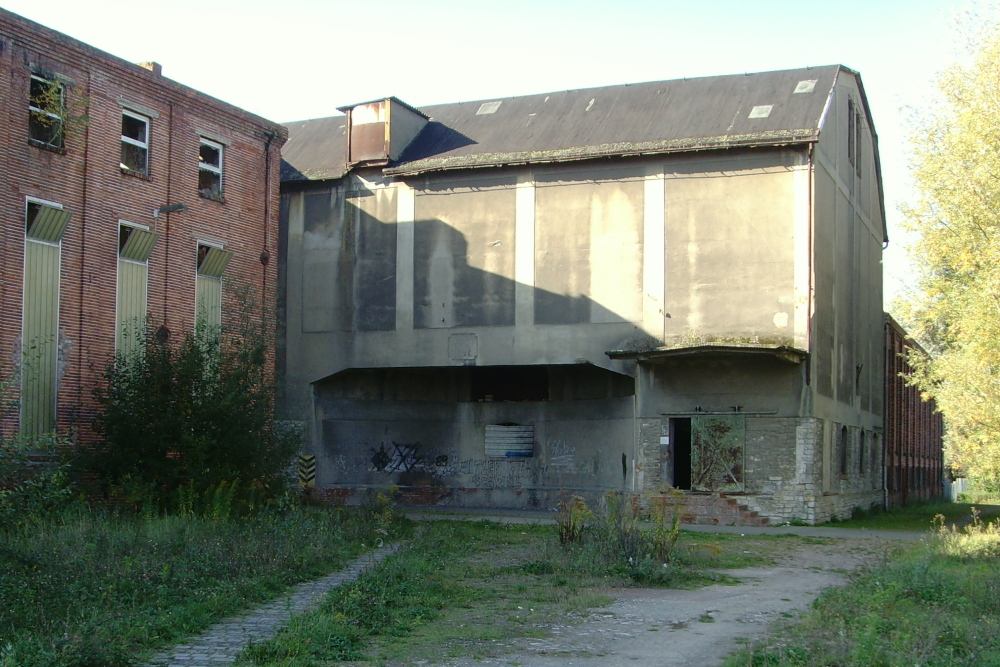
(128, 200)
(914, 455)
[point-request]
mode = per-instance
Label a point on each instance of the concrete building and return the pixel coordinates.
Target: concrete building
(670, 283)
(128, 200)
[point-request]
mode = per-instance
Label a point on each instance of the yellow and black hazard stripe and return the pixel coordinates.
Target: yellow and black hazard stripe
(307, 470)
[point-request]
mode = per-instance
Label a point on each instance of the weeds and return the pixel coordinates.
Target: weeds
(104, 589)
(625, 538)
(936, 604)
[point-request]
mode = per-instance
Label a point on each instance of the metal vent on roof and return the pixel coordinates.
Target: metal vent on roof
(510, 440)
(806, 86)
(489, 107)
(762, 111)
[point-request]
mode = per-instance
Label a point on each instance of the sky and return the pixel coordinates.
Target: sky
(298, 59)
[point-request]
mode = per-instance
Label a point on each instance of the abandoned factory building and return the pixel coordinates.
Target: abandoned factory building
(127, 199)
(670, 283)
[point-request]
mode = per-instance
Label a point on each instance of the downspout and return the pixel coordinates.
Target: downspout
(265, 255)
(83, 258)
(166, 232)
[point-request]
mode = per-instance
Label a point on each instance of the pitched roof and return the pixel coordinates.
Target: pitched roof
(645, 118)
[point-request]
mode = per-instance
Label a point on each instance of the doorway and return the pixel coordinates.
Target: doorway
(680, 447)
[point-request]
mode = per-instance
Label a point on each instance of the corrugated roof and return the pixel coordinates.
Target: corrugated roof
(654, 117)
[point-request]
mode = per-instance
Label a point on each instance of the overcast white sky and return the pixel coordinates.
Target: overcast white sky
(298, 59)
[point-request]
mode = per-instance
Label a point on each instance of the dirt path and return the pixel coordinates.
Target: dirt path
(698, 628)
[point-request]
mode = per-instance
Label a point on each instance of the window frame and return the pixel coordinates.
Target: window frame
(35, 111)
(217, 170)
(134, 142)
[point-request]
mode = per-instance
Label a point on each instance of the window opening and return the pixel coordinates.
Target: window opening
(135, 243)
(862, 445)
(857, 142)
(45, 222)
(851, 129)
(212, 261)
(210, 169)
(46, 107)
(135, 143)
(844, 439)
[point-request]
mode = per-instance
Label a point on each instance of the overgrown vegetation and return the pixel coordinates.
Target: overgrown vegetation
(914, 517)
(103, 590)
(467, 588)
(183, 424)
(34, 481)
(936, 604)
(623, 537)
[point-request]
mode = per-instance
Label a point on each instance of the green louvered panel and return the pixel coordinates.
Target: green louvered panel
(39, 333)
(131, 326)
(215, 262)
(49, 224)
(208, 296)
(139, 245)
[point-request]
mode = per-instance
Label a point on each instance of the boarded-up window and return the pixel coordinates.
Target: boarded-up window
(45, 225)
(134, 247)
(212, 262)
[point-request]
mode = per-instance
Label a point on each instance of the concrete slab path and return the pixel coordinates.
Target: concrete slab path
(222, 643)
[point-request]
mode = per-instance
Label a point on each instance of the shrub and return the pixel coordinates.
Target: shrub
(33, 479)
(196, 415)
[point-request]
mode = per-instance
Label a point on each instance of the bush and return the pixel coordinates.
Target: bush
(33, 480)
(192, 420)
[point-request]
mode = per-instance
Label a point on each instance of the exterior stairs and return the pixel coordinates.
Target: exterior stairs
(709, 509)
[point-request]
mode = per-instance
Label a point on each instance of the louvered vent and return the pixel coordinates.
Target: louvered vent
(510, 440)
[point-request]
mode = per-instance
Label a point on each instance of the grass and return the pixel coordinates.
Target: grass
(935, 604)
(100, 590)
(916, 517)
(474, 589)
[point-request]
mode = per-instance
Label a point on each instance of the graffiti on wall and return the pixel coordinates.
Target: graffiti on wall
(408, 457)
(495, 473)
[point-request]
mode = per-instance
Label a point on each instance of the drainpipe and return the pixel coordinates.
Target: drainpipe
(265, 255)
(83, 262)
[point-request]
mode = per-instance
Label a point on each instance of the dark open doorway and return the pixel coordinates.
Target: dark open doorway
(680, 448)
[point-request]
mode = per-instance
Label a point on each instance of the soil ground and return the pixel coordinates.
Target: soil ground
(696, 628)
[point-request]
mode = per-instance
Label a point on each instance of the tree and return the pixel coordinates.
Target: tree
(956, 313)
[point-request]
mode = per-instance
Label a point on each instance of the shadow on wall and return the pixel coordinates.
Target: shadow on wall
(350, 265)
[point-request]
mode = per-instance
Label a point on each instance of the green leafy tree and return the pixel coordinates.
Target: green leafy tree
(956, 313)
(181, 420)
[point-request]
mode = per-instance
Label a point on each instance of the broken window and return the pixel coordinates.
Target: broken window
(210, 169)
(135, 143)
(46, 107)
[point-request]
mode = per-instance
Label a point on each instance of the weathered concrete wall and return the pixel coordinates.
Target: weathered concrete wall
(463, 254)
(730, 249)
(848, 358)
(422, 430)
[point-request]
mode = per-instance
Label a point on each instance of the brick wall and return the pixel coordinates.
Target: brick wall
(87, 180)
(913, 429)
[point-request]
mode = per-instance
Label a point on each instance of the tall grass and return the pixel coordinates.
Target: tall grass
(103, 589)
(936, 604)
